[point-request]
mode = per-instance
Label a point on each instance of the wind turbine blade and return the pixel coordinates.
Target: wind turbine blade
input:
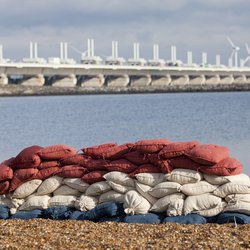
(247, 48)
(230, 41)
(76, 50)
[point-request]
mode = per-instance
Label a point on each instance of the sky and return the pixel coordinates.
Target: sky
(196, 25)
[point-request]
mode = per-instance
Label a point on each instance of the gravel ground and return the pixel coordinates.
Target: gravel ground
(49, 234)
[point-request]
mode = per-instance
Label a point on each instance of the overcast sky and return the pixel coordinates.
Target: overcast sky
(197, 25)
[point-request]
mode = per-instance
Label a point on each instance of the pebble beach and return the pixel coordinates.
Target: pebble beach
(51, 234)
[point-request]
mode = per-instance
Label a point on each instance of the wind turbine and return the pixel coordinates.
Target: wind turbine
(248, 57)
(234, 53)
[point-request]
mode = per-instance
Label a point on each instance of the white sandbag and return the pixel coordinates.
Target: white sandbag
(162, 204)
(12, 203)
(120, 178)
(164, 189)
(232, 188)
(212, 211)
(85, 203)
(97, 188)
(36, 202)
(134, 203)
(200, 202)
(150, 179)
(120, 188)
(238, 207)
(175, 208)
(201, 187)
(220, 180)
(111, 196)
(76, 183)
(26, 189)
(184, 176)
(66, 190)
(234, 198)
(143, 189)
(49, 185)
(62, 200)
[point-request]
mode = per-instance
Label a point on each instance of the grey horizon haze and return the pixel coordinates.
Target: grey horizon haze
(196, 25)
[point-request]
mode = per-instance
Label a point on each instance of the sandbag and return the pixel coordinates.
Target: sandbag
(175, 207)
(111, 196)
(143, 189)
(36, 202)
(4, 187)
(76, 183)
(57, 213)
(186, 219)
(136, 157)
(62, 200)
(94, 176)
(27, 215)
(50, 185)
(120, 178)
(234, 198)
(77, 159)
(45, 173)
(72, 171)
(238, 218)
(4, 212)
(6, 173)
(239, 206)
(119, 188)
(185, 163)
(201, 187)
(48, 164)
(151, 145)
(98, 188)
(134, 203)
(220, 180)
(150, 179)
(85, 203)
(121, 165)
(145, 168)
(66, 190)
(164, 189)
(148, 218)
(184, 176)
(56, 152)
(112, 219)
(93, 165)
(211, 212)
(98, 150)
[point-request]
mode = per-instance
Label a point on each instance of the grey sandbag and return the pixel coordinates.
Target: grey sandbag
(57, 212)
(27, 215)
(4, 212)
(107, 209)
(238, 218)
(112, 219)
(186, 219)
(149, 218)
(76, 215)
(212, 219)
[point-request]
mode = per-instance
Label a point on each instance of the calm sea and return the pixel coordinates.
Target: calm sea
(80, 121)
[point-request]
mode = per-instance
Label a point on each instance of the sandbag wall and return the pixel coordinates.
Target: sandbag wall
(149, 176)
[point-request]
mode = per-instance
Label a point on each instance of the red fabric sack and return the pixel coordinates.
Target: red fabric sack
(94, 176)
(185, 163)
(151, 146)
(78, 159)
(165, 167)
(154, 159)
(121, 165)
(8, 162)
(56, 152)
(136, 158)
(4, 187)
(49, 164)
(98, 150)
(226, 167)
(27, 158)
(22, 175)
(93, 165)
(176, 149)
(208, 154)
(6, 173)
(72, 171)
(146, 168)
(46, 173)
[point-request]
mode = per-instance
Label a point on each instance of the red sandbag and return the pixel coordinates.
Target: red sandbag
(93, 165)
(146, 168)
(228, 166)
(22, 175)
(154, 159)
(6, 173)
(27, 158)
(46, 173)
(78, 159)
(185, 163)
(121, 165)
(94, 176)
(49, 164)
(136, 158)
(4, 187)
(96, 151)
(176, 149)
(165, 167)
(151, 146)
(208, 154)
(72, 171)
(8, 162)
(57, 152)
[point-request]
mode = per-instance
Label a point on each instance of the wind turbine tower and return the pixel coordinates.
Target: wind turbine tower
(234, 53)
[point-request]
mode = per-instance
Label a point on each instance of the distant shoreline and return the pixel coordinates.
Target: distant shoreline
(20, 90)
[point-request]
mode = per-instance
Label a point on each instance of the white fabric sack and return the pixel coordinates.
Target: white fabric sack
(175, 208)
(232, 188)
(66, 190)
(62, 200)
(76, 183)
(220, 180)
(238, 207)
(86, 203)
(234, 198)
(26, 189)
(49, 185)
(201, 187)
(164, 189)
(134, 203)
(143, 189)
(150, 179)
(213, 211)
(97, 188)
(162, 204)
(120, 188)
(184, 176)
(200, 202)
(120, 178)
(111, 196)
(36, 202)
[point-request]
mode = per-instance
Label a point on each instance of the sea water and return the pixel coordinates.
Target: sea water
(80, 121)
